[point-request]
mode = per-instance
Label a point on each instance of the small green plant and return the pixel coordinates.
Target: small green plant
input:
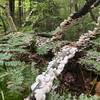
(44, 49)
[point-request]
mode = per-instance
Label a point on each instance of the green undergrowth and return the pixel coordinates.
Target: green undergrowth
(15, 75)
(92, 59)
(54, 96)
(44, 49)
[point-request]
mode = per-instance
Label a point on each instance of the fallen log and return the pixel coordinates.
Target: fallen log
(44, 81)
(88, 6)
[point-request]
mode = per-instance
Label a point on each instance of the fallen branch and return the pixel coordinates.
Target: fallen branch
(44, 81)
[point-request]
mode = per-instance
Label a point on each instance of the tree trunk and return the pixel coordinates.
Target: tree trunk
(12, 8)
(20, 13)
(10, 19)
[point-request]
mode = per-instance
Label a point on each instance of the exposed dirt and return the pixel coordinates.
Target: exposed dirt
(76, 80)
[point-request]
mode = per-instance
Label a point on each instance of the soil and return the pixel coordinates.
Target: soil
(77, 80)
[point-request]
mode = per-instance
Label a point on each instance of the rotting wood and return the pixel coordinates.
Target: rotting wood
(44, 81)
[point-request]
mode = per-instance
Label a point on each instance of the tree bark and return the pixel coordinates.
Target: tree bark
(10, 19)
(20, 12)
(12, 8)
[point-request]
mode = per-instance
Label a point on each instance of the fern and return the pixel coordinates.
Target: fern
(50, 46)
(85, 97)
(44, 49)
(92, 59)
(15, 79)
(15, 76)
(5, 56)
(13, 63)
(54, 96)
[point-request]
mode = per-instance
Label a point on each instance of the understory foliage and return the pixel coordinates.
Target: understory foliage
(45, 15)
(92, 59)
(54, 96)
(48, 47)
(15, 75)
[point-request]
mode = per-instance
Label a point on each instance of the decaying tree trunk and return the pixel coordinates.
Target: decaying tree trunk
(44, 81)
